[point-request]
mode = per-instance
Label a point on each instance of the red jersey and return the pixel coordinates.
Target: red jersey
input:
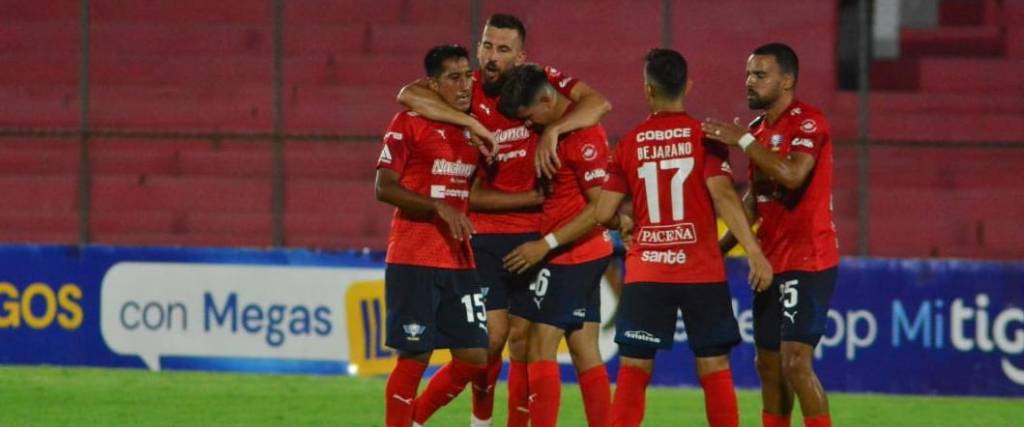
(584, 155)
(664, 164)
(435, 160)
(797, 232)
(512, 170)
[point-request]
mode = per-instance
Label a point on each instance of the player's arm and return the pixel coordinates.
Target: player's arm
(591, 106)
(419, 98)
(389, 190)
(728, 241)
(530, 253)
(790, 171)
(482, 198)
(731, 210)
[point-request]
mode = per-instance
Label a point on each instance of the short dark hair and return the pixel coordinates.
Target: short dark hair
(521, 87)
(784, 55)
(433, 63)
(501, 20)
(666, 68)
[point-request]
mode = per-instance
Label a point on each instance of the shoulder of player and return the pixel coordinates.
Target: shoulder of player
(808, 118)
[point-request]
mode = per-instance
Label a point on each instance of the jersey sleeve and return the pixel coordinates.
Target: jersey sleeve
(616, 180)
(716, 159)
(810, 135)
(562, 82)
(396, 140)
(587, 156)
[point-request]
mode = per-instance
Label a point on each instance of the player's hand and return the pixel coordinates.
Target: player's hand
(726, 133)
(526, 255)
(546, 158)
(457, 221)
(483, 139)
(760, 277)
(626, 230)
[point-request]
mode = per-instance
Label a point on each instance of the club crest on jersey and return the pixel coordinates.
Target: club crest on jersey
(413, 331)
(808, 126)
(776, 141)
(589, 152)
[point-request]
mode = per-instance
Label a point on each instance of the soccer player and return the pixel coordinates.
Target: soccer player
(504, 202)
(566, 292)
(431, 289)
(677, 180)
(790, 150)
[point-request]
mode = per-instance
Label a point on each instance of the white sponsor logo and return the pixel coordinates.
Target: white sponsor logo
(511, 155)
(667, 234)
(405, 400)
(808, 126)
(796, 111)
(580, 312)
(642, 336)
(511, 134)
(442, 192)
(803, 142)
(662, 135)
(564, 82)
(791, 316)
(441, 132)
(397, 136)
(154, 309)
(413, 331)
(448, 168)
(670, 257)
(385, 156)
(594, 174)
(726, 167)
(589, 152)
(486, 110)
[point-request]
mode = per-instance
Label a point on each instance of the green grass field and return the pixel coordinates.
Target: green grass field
(45, 396)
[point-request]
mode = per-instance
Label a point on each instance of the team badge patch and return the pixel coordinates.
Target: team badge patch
(808, 126)
(589, 152)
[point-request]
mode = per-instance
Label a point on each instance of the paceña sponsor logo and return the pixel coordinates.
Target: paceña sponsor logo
(668, 234)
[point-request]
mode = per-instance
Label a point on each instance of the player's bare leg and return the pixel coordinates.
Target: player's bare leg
(403, 383)
(631, 392)
(483, 385)
(518, 381)
(593, 377)
(545, 378)
(776, 396)
(720, 404)
(448, 382)
(797, 358)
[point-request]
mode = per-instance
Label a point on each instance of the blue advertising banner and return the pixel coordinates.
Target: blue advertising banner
(896, 326)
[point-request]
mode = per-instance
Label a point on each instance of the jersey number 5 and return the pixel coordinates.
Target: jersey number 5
(649, 174)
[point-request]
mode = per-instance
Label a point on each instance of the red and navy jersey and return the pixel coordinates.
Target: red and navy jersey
(512, 170)
(797, 232)
(438, 161)
(664, 165)
(584, 156)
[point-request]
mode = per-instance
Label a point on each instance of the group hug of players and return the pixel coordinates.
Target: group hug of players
(505, 187)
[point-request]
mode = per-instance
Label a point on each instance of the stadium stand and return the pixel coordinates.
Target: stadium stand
(203, 66)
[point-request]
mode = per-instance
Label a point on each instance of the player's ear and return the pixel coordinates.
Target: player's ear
(788, 81)
(688, 87)
(649, 90)
(434, 85)
(520, 57)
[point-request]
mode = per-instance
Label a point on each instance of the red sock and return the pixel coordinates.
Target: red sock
(630, 397)
(597, 396)
(446, 383)
(818, 421)
(401, 391)
(545, 392)
(772, 420)
(720, 399)
(518, 395)
(483, 389)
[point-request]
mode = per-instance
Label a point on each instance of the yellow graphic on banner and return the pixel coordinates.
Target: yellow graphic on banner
(364, 305)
